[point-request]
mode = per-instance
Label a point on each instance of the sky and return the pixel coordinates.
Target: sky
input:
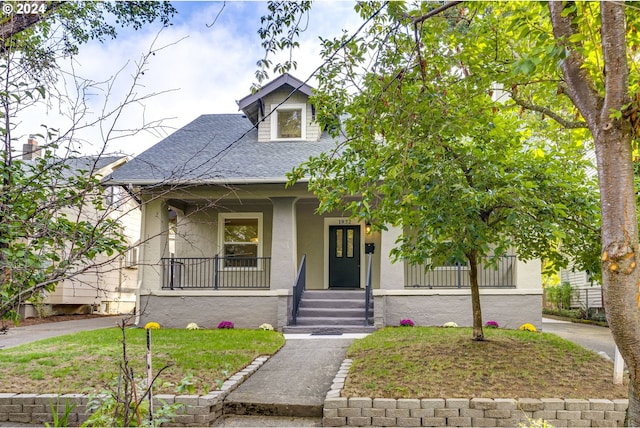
(199, 67)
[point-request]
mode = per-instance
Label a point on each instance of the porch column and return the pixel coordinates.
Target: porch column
(391, 274)
(284, 249)
(155, 244)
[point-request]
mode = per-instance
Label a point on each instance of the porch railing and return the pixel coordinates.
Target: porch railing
(215, 272)
(457, 276)
(298, 289)
(368, 292)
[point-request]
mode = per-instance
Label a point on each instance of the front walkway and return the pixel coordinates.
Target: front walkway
(293, 383)
(593, 337)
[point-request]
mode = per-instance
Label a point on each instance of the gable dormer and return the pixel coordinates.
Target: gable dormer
(282, 111)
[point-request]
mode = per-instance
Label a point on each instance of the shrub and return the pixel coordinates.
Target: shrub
(225, 324)
(265, 326)
(527, 327)
(492, 324)
(406, 323)
(450, 324)
(152, 325)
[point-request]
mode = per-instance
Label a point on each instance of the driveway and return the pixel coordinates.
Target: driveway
(589, 336)
(18, 335)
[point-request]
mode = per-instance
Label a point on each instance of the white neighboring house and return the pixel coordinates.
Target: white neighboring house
(110, 286)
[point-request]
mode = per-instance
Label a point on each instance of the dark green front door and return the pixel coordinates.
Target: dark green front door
(344, 256)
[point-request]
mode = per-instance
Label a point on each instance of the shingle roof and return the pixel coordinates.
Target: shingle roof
(218, 148)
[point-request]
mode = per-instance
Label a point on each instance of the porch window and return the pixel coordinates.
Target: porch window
(288, 122)
(241, 239)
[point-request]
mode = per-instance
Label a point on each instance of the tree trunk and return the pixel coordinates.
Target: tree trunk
(478, 334)
(612, 138)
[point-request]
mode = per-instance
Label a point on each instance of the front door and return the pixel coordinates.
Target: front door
(344, 256)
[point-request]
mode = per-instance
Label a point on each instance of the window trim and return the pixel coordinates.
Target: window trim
(288, 107)
(222, 217)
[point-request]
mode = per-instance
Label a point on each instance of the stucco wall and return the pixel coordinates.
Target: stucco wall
(437, 308)
(245, 310)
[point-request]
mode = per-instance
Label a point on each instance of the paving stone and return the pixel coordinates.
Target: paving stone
(408, 403)
(482, 403)
(446, 413)
(511, 422)
(506, 403)
(432, 403)
(619, 416)
(530, 404)
(558, 422)
(334, 422)
(359, 421)
(350, 412)
(568, 414)
(620, 405)
(374, 412)
(10, 408)
(329, 413)
(601, 404)
(383, 422)
(498, 413)
(604, 423)
(459, 421)
(553, 403)
(335, 403)
(34, 408)
(576, 404)
(360, 402)
(434, 422)
(578, 423)
(27, 399)
(483, 422)
(408, 422)
(472, 413)
(422, 413)
(593, 414)
(385, 403)
(544, 414)
(397, 413)
(457, 403)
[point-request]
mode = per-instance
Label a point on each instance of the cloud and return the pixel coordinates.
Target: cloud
(204, 68)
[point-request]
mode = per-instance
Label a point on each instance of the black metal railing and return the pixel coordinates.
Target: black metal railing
(368, 292)
(215, 272)
(457, 276)
(298, 289)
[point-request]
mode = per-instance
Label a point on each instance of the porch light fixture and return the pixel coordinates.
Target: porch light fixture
(367, 228)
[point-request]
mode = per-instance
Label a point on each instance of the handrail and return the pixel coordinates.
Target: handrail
(298, 289)
(216, 272)
(368, 292)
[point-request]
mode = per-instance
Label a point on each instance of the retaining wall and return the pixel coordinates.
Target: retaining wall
(198, 410)
(463, 412)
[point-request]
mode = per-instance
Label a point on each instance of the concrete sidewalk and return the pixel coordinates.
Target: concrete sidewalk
(291, 387)
(20, 335)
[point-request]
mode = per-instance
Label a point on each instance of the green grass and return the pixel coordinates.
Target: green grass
(88, 361)
(432, 362)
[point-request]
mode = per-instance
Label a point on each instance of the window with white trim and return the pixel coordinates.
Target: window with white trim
(289, 122)
(240, 239)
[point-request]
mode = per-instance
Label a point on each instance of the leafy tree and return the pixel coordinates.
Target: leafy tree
(53, 221)
(568, 61)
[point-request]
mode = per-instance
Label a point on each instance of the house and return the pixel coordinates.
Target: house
(224, 237)
(109, 284)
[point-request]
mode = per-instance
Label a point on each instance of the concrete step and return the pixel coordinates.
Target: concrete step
(329, 312)
(331, 330)
(334, 294)
(319, 321)
(332, 303)
(267, 421)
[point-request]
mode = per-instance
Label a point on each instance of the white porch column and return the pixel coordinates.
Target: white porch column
(529, 274)
(284, 248)
(154, 244)
(391, 274)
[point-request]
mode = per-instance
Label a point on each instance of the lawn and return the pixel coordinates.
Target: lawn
(88, 361)
(434, 362)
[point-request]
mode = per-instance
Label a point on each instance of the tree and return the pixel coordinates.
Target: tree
(465, 190)
(568, 61)
(53, 220)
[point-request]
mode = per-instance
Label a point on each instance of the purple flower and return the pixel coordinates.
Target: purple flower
(491, 324)
(406, 323)
(225, 324)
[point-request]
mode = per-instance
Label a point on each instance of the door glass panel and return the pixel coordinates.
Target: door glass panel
(349, 242)
(339, 242)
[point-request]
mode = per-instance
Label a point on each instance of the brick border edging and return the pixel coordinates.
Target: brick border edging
(477, 412)
(199, 410)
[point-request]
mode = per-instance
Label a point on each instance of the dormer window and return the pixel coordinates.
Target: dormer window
(288, 122)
